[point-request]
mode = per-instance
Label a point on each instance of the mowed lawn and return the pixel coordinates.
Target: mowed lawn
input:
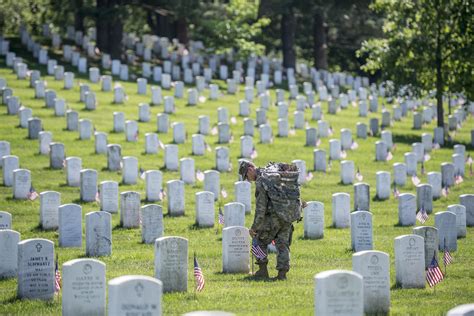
(237, 293)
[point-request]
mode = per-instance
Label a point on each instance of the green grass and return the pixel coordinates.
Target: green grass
(234, 293)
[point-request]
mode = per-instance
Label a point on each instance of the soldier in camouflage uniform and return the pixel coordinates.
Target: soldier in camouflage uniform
(267, 225)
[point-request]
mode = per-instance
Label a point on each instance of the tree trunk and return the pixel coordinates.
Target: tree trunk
(288, 26)
(102, 26)
(320, 42)
(79, 15)
(182, 30)
(115, 37)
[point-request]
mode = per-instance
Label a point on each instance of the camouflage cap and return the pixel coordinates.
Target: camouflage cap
(243, 166)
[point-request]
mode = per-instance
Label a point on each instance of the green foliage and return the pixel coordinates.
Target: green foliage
(231, 26)
(413, 31)
(15, 12)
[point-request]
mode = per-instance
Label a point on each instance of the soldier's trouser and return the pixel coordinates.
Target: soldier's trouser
(276, 229)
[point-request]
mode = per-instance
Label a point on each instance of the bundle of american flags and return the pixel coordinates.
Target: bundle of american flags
(434, 274)
(32, 195)
(422, 216)
(257, 251)
(198, 276)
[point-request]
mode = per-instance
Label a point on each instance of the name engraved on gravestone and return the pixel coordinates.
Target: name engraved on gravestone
(361, 231)
(83, 287)
(235, 250)
(49, 204)
(171, 263)
(431, 242)
(314, 220)
(36, 269)
(21, 183)
(5, 220)
(410, 261)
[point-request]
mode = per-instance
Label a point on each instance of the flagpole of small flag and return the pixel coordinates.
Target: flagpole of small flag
(444, 261)
(195, 281)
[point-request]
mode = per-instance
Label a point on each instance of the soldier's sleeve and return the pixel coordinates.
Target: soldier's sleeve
(261, 201)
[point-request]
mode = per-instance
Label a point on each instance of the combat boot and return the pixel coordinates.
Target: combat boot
(281, 275)
(262, 271)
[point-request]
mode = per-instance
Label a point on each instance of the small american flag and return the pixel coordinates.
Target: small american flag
(445, 191)
(254, 154)
(214, 131)
(359, 176)
(162, 194)
(309, 176)
(257, 251)
(160, 143)
(389, 156)
(436, 146)
(57, 277)
(434, 274)
(422, 216)
(233, 120)
(447, 258)
(330, 131)
(343, 154)
(198, 276)
(221, 217)
(97, 196)
(32, 195)
(208, 147)
(224, 193)
(426, 157)
(64, 163)
(415, 180)
(458, 179)
(142, 173)
(396, 192)
(318, 142)
(199, 175)
(354, 145)
(292, 132)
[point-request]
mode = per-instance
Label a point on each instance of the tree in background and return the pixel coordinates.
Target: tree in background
(428, 45)
(233, 26)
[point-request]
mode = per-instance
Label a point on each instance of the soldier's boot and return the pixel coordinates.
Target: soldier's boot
(262, 271)
(281, 275)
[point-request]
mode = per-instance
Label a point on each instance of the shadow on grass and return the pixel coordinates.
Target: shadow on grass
(14, 298)
(252, 278)
(302, 237)
(196, 227)
(119, 227)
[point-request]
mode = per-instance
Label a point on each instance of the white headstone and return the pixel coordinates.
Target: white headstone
(235, 250)
(171, 263)
(70, 225)
(410, 261)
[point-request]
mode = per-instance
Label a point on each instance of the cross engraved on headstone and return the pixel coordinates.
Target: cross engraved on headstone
(38, 247)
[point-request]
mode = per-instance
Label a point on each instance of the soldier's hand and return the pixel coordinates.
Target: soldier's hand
(252, 233)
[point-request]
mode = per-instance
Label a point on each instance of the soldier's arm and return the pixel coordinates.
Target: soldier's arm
(261, 201)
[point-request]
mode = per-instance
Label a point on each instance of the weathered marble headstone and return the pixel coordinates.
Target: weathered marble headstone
(171, 263)
(314, 220)
(49, 205)
(187, 170)
(212, 182)
(70, 225)
(447, 174)
(179, 133)
(205, 209)
(248, 127)
(151, 216)
(153, 185)
(176, 201)
(361, 130)
(460, 211)
(431, 242)
(144, 112)
(129, 170)
(45, 139)
(10, 163)
(383, 185)
(235, 250)
(108, 196)
(24, 114)
(406, 209)
(347, 172)
(424, 198)
(410, 162)
(381, 151)
(100, 142)
(4, 150)
(341, 210)
(461, 310)
(9, 240)
(21, 184)
(130, 209)
(73, 171)
(72, 118)
(34, 127)
(338, 292)
(434, 179)
(319, 160)
(243, 194)
(5, 220)
(362, 197)
(234, 214)
(171, 157)
(468, 201)
(446, 224)
(203, 124)
(374, 267)
(83, 287)
(56, 155)
(36, 269)
(131, 131)
(334, 149)
(222, 159)
(119, 122)
(114, 157)
(135, 295)
(410, 261)
(88, 185)
(98, 234)
(361, 231)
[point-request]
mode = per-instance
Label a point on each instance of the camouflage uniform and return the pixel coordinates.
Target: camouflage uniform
(269, 226)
